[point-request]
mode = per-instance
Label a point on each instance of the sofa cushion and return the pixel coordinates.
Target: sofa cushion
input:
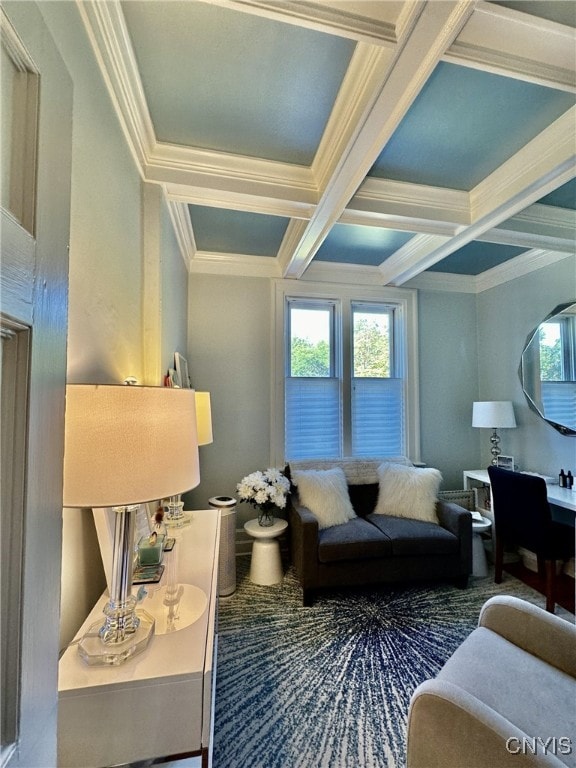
(536, 697)
(408, 492)
(325, 493)
(415, 537)
(354, 540)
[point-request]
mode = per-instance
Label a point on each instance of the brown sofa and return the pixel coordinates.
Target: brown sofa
(373, 548)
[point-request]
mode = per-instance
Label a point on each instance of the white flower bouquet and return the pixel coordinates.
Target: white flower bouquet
(265, 491)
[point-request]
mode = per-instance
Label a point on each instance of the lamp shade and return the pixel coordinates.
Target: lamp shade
(128, 445)
(203, 418)
(493, 413)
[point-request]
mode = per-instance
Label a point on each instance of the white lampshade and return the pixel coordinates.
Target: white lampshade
(128, 444)
(203, 418)
(493, 414)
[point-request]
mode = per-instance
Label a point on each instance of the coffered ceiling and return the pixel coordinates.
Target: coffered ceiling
(421, 143)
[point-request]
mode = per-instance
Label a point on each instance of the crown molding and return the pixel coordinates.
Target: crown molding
(522, 265)
(238, 264)
(110, 41)
(444, 282)
(321, 18)
(183, 231)
(506, 42)
(349, 274)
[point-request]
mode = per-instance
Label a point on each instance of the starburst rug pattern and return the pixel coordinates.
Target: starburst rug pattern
(329, 686)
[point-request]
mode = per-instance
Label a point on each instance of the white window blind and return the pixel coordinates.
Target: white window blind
(377, 417)
(312, 417)
(559, 401)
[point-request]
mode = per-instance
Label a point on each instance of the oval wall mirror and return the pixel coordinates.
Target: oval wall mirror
(548, 369)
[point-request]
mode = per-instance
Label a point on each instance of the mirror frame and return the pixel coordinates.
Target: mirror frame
(564, 430)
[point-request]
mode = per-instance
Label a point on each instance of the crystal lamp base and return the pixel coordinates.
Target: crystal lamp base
(96, 651)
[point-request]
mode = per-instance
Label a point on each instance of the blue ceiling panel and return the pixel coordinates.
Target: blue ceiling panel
(476, 257)
(369, 246)
(218, 79)
(225, 231)
(563, 197)
(464, 124)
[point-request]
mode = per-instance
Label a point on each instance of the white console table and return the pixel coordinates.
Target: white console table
(160, 703)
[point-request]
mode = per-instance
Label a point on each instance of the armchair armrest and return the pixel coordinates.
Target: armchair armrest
(448, 727)
(538, 632)
(304, 542)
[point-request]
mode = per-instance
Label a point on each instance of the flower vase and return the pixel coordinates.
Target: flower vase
(265, 517)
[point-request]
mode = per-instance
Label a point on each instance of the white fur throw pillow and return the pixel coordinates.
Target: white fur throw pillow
(325, 493)
(408, 492)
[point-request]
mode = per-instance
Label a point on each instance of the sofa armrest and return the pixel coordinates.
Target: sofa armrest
(533, 629)
(304, 543)
(458, 521)
(448, 727)
(454, 518)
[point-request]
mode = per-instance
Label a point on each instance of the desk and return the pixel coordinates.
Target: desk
(561, 497)
(159, 703)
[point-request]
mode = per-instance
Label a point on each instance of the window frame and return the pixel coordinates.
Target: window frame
(404, 301)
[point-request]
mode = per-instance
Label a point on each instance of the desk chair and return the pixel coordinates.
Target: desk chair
(522, 518)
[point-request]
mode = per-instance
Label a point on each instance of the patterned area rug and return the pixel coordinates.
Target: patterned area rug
(329, 686)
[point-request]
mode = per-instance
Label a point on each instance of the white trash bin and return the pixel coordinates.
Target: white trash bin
(227, 562)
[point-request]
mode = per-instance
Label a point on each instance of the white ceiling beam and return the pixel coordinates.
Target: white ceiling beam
(541, 166)
(437, 26)
(388, 199)
(513, 44)
(538, 226)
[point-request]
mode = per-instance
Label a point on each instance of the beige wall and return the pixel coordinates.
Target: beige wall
(109, 309)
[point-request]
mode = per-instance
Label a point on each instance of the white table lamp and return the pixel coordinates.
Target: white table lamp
(126, 445)
(494, 414)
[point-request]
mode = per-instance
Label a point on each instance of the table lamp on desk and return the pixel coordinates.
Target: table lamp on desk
(126, 445)
(494, 414)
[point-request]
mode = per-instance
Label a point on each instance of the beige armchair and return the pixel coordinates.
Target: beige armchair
(506, 698)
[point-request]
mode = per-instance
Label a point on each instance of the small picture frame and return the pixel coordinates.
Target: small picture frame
(505, 462)
(182, 378)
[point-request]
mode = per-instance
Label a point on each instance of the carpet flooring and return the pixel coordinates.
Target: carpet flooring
(329, 686)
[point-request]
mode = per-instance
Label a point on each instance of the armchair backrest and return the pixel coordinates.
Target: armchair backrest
(521, 510)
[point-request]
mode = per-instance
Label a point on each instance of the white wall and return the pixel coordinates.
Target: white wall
(506, 316)
(448, 382)
(230, 355)
(108, 310)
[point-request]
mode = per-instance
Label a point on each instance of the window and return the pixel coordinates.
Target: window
(377, 396)
(345, 373)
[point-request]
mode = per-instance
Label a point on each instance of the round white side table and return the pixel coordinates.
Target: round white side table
(479, 563)
(265, 566)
